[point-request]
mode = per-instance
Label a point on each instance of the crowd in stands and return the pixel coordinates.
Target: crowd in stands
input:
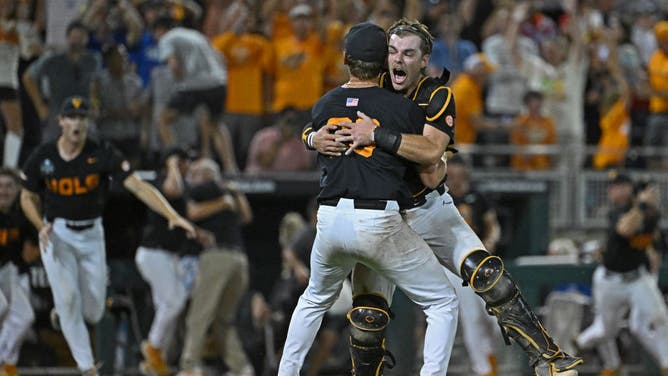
(234, 81)
(597, 68)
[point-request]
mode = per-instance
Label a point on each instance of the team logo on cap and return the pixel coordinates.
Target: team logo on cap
(76, 102)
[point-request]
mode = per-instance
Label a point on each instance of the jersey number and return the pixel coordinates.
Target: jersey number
(366, 151)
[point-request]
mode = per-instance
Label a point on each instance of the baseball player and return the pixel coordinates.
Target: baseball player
(71, 173)
(158, 261)
(622, 281)
(16, 237)
(359, 222)
(433, 215)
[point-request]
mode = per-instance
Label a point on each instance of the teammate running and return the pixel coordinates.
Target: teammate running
(434, 216)
(71, 173)
(359, 222)
(17, 237)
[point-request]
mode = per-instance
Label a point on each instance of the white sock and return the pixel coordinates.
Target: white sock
(12, 149)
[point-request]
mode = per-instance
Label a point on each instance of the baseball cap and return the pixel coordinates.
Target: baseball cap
(618, 177)
(75, 105)
(474, 60)
(301, 10)
(366, 42)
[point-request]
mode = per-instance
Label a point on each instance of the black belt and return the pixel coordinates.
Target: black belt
(421, 198)
(358, 203)
(80, 225)
(629, 276)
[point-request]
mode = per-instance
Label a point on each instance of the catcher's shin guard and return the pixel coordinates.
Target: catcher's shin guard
(487, 277)
(369, 317)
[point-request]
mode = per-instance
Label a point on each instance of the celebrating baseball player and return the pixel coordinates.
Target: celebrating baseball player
(359, 222)
(622, 283)
(71, 173)
(17, 238)
(158, 261)
(433, 214)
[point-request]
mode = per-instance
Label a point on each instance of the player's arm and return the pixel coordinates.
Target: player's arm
(245, 210)
(646, 205)
(31, 204)
(173, 186)
(425, 149)
(203, 209)
(149, 195)
(323, 140)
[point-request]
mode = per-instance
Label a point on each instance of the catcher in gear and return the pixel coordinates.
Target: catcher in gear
(433, 215)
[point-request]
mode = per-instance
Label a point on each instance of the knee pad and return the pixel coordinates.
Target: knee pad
(369, 318)
(481, 270)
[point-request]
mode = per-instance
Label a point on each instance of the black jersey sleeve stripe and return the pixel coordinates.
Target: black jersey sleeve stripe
(445, 105)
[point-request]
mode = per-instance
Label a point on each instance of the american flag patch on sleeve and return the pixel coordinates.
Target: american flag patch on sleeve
(352, 102)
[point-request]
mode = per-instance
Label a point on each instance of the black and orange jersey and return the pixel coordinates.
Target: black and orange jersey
(15, 230)
(369, 172)
(157, 233)
(75, 189)
(438, 104)
(626, 254)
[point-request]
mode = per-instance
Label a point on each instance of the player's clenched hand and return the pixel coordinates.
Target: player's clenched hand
(44, 234)
(359, 133)
(184, 224)
(324, 141)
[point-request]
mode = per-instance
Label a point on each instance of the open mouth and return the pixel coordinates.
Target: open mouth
(398, 76)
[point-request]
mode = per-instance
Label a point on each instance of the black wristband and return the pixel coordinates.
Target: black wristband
(387, 139)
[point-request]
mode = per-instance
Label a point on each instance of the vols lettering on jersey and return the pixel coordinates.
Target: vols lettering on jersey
(68, 186)
(74, 189)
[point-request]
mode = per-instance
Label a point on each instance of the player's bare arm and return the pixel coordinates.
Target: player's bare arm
(631, 222)
(173, 185)
(149, 195)
(200, 210)
(425, 149)
(30, 203)
(323, 140)
(245, 210)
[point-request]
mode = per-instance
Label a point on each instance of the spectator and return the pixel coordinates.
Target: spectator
(468, 90)
(303, 54)
(615, 120)
(184, 130)
(558, 73)
(218, 207)
(278, 148)
(249, 57)
(116, 92)
(58, 16)
(450, 51)
(202, 82)
(10, 108)
(64, 74)
(532, 128)
(657, 126)
(112, 23)
(144, 53)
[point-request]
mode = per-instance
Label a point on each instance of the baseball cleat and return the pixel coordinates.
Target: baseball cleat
(154, 364)
(563, 366)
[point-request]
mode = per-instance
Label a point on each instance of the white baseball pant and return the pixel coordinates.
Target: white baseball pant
(17, 311)
(648, 315)
(77, 272)
(382, 241)
(478, 327)
(440, 224)
(162, 271)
